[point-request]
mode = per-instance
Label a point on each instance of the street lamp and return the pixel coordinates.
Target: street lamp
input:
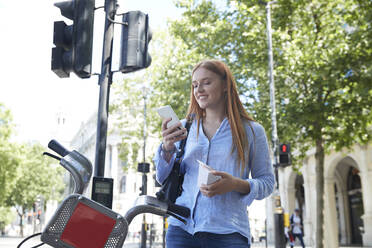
(278, 213)
(144, 167)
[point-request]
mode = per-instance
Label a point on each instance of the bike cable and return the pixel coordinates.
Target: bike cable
(29, 237)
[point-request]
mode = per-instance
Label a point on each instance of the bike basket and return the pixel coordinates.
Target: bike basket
(82, 223)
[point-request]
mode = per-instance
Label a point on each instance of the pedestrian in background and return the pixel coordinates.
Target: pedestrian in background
(297, 227)
(226, 138)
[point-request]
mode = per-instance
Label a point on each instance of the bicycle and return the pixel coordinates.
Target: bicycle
(80, 222)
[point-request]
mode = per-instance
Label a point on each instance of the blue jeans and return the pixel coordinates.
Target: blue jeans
(178, 238)
(299, 236)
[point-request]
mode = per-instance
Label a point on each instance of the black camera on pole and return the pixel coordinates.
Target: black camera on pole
(284, 155)
(73, 51)
(135, 38)
(144, 168)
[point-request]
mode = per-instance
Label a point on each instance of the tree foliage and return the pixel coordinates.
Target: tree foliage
(35, 177)
(8, 160)
(24, 173)
(8, 164)
(322, 54)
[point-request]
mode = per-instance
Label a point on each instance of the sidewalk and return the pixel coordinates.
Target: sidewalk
(12, 242)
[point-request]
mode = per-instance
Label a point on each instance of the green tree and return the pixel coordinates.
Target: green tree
(35, 177)
(8, 163)
(6, 217)
(322, 52)
(128, 111)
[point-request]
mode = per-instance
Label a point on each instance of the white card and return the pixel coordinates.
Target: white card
(205, 176)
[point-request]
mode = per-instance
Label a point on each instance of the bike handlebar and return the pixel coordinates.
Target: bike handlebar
(150, 204)
(78, 165)
(58, 148)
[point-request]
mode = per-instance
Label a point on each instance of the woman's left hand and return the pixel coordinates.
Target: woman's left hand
(224, 185)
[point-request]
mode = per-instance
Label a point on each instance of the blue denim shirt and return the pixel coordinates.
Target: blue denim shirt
(227, 213)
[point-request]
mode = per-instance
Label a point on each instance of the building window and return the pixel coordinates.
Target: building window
(123, 184)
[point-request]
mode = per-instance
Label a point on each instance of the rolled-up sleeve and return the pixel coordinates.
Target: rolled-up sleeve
(263, 180)
(163, 168)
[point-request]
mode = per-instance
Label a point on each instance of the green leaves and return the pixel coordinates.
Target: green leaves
(322, 65)
(34, 176)
(24, 173)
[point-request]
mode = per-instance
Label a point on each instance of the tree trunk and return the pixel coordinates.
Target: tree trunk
(319, 168)
(20, 214)
(21, 224)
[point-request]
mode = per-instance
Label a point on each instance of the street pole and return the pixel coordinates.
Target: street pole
(278, 214)
(104, 81)
(144, 177)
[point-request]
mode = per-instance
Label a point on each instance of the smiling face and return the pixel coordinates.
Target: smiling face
(208, 89)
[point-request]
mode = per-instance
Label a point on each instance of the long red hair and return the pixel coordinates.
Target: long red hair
(235, 111)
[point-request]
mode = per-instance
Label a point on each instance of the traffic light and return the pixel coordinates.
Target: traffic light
(143, 167)
(135, 38)
(73, 51)
(284, 155)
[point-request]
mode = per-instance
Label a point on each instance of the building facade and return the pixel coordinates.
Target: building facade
(347, 196)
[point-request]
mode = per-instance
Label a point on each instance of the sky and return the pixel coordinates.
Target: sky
(35, 94)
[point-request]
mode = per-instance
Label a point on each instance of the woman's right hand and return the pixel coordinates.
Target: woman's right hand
(172, 134)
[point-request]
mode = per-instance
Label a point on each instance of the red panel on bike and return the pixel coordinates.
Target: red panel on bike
(87, 228)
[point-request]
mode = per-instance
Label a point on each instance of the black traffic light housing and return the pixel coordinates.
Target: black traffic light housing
(73, 51)
(143, 167)
(135, 38)
(284, 155)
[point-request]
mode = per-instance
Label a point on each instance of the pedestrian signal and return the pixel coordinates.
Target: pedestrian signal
(284, 155)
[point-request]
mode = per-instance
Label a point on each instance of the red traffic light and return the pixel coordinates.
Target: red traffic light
(284, 154)
(284, 148)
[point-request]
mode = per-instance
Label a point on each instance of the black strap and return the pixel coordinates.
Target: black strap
(181, 150)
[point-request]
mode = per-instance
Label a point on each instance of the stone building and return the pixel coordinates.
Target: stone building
(347, 196)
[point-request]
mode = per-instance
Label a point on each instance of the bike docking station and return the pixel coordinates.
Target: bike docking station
(78, 220)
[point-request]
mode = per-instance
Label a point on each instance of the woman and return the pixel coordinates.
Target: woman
(296, 226)
(226, 138)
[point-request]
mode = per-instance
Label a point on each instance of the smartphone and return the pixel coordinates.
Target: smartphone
(167, 112)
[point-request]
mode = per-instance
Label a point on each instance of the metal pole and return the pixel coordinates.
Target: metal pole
(144, 177)
(272, 85)
(164, 222)
(144, 125)
(278, 215)
(143, 232)
(104, 82)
